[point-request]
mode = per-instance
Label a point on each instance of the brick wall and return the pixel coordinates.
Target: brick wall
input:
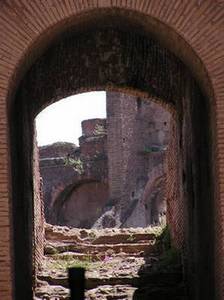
(57, 150)
(38, 251)
(137, 128)
(83, 205)
(192, 30)
(154, 199)
(93, 127)
(69, 173)
(174, 197)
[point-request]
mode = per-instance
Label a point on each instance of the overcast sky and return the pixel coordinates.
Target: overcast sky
(61, 121)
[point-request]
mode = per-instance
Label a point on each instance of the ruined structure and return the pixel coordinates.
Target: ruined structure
(116, 178)
(75, 181)
(115, 268)
(168, 50)
(138, 135)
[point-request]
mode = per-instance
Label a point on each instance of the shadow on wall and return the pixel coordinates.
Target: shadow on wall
(82, 205)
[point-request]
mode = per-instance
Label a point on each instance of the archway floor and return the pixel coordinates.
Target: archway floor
(121, 263)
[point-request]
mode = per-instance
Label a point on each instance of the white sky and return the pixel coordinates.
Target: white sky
(61, 121)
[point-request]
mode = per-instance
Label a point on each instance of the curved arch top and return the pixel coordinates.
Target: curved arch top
(103, 59)
(30, 41)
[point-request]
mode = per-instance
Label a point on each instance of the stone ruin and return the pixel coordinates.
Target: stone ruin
(117, 175)
(75, 178)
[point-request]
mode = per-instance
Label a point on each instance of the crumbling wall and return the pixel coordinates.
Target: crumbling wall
(138, 133)
(126, 152)
(75, 178)
(83, 205)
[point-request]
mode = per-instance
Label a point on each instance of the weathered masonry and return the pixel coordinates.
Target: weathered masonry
(137, 139)
(75, 179)
(168, 50)
(117, 176)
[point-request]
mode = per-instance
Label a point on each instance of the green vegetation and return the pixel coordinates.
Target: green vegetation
(63, 263)
(77, 164)
(99, 130)
(131, 237)
(156, 230)
(52, 250)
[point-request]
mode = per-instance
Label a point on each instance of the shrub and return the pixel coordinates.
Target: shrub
(77, 164)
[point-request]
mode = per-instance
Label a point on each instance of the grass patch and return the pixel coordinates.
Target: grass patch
(131, 237)
(156, 230)
(64, 264)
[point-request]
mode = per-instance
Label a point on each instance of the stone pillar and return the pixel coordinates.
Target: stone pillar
(38, 250)
(136, 127)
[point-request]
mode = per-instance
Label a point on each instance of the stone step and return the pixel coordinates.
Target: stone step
(120, 264)
(117, 292)
(62, 233)
(163, 284)
(140, 248)
(107, 267)
(91, 282)
(105, 292)
(102, 236)
(124, 238)
(46, 291)
(89, 256)
(72, 255)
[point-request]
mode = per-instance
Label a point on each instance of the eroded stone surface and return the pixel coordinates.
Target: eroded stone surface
(114, 269)
(96, 236)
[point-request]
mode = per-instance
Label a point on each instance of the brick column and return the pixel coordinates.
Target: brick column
(5, 208)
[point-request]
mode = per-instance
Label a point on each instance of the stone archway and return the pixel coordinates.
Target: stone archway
(115, 59)
(25, 36)
(80, 205)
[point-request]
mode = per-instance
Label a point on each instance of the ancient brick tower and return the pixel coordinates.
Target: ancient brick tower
(138, 135)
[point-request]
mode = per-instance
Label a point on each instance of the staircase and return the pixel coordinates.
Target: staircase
(119, 263)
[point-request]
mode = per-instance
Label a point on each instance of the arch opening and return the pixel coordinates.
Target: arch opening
(125, 150)
(116, 60)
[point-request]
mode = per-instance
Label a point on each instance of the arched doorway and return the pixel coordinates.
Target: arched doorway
(113, 59)
(85, 198)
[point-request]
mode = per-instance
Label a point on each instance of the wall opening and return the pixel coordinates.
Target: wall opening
(73, 168)
(119, 163)
(119, 61)
(84, 178)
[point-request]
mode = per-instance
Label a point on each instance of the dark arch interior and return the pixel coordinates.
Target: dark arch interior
(87, 192)
(113, 59)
